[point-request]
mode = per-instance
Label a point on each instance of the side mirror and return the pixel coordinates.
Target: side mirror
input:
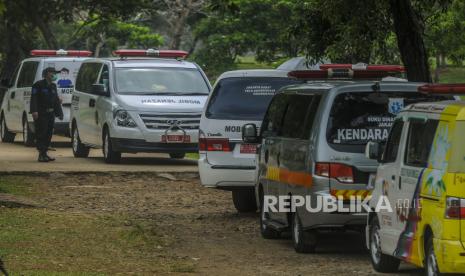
(6, 83)
(99, 89)
(249, 133)
(373, 151)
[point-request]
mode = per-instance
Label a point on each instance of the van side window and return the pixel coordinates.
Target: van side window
(88, 74)
(27, 74)
(419, 142)
(273, 120)
(311, 114)
(295, 116)
(393, 142)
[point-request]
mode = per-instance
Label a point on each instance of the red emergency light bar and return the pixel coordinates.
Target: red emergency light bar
(342, 73)
(448, 89)
(151, 53)
(61, 52)
(361, 66)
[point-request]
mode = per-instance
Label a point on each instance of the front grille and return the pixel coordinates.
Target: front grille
(173, 121)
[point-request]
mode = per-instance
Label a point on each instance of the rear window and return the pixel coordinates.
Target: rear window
(359, 117)
(66, 76)
(244, 98)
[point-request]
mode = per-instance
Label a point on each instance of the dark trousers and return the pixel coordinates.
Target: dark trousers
(44, 131)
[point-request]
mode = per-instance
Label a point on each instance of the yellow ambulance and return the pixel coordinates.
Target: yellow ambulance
(421, 178)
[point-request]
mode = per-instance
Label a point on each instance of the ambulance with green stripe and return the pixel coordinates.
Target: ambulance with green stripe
(312, 144)
(422, 176)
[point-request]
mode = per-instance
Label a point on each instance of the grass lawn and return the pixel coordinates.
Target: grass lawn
(452, 75)
(40, 241)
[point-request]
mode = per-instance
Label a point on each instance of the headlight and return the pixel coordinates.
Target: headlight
(123, 119)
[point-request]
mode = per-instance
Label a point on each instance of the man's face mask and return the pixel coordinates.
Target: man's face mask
(54, 77)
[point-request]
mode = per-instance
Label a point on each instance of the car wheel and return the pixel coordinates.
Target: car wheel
(109, 155)
(28, 136)
(244, 200)
(79, 149)
(266, 231)
(6, 135)
(177, 155)
(431, 263)
(381, 262)
(304, 241)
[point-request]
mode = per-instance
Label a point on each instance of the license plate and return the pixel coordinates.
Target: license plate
(248, 148)
(176, 139)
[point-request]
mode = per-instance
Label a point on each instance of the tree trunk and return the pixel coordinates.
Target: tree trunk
(180, 24)
(409, 32)
(443, 62)
(438, 68)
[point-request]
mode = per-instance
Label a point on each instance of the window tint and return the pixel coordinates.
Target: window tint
(274, 117)
(153, 81)
(244, 98)
(104, 77)
(393, 142)
(27, 74)
(311, 114)
(420, 139)
(295, 117)
(87, 76)
(359, 117)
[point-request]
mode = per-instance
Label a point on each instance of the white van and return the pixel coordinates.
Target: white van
(14, 112)
(143, 101)
(239, 97)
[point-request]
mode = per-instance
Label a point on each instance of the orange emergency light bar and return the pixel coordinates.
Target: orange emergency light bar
(151, 53)
(446, 89)
(61, 52)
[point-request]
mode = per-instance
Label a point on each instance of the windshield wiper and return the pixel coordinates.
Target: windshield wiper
(194, 94)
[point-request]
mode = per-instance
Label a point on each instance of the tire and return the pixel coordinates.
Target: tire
(177, 155)
(431, 263)
(109, 155)
(6, 135)
(304, 241)
(266, 231)
(28, 136)
(244, 200)
(79, 149)
(381, 262)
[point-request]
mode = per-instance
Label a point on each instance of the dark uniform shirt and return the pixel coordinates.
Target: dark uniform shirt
(44, 98)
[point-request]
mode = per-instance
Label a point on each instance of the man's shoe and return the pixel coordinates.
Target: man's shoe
(43, 158)
(49, 158)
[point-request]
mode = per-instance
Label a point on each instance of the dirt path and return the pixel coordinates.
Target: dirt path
(201, 225)
(18, 158)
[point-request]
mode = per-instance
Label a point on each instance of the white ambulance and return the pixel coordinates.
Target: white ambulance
(142, 101)
(14, 111)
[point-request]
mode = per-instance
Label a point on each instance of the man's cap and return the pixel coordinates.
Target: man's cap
(49, 70)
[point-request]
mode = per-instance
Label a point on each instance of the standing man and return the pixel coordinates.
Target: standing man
(45, 106)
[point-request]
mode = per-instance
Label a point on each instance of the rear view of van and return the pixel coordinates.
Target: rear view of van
(239, 97)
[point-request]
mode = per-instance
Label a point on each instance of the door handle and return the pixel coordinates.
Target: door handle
(400, 183)
(266, 156)
(277, 159)
(12, 95)
(91, 103)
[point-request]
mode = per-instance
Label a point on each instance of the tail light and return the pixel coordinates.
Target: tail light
(455, 208)
(214, 144)
(341, 172)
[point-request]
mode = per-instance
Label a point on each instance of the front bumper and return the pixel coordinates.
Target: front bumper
(225, 177)
(450, 255)
(140, 145)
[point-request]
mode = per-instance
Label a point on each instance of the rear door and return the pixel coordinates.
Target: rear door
(66, 79)
(355, 119)
(235, 102)
(86, 114)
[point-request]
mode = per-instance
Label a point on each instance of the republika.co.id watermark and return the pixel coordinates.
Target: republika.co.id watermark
(327, 204)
